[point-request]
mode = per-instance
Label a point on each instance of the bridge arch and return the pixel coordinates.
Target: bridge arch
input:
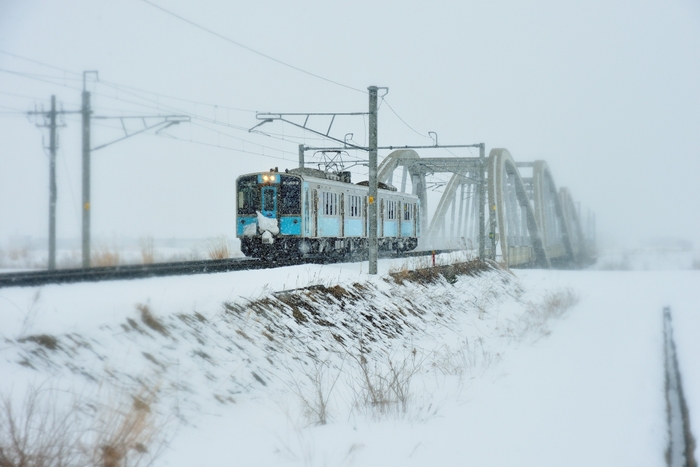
(514, 228)
(573, 223)
(550, 215)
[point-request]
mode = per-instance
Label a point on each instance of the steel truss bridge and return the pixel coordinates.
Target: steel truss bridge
(512, 212)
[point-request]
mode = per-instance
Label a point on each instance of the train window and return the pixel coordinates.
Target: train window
(329, 203)
(248, 195)
(290, 195)
(269, 199)
(355, 204)
(408, 211)
(391, 210)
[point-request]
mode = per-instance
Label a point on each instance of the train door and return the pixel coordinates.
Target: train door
(380, 219)
(269, 202)
(365, 216)
(342, 214)
(308, 216)
(314, 211)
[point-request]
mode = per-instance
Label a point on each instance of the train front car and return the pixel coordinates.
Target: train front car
(269, 214)
(312, 213)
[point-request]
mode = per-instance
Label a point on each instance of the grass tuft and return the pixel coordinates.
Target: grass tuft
(431, 275)
(148, 254)
(49, 429)
(150, 320)
(105, 257)
(218, 248)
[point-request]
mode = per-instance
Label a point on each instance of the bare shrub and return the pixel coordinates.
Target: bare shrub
(316, 401)
(104, 257)
(465, 359)
(218, 248)
(37, 434)
(147, 250)
(51, 428)
(537, 314)
(384, 387)
(123, 431)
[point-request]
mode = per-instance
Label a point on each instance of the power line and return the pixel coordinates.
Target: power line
(226, 147)
(203, 28)
(37, 75)
(153, 104)
(122, 87)
(39, 63)
(24, 96)
(30, 76)
(402, 120)
(242, 140)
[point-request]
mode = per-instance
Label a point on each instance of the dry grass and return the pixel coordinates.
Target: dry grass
(316, 400)
(104, 257)
(150, 320)
(16, 254)
(124, 431)
(50, 428)
(218, 248)
(533, 323)
(431, 275)
(148, 254)
(384, 387)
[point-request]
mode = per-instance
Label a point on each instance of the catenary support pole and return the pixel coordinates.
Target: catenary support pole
(86, 174)
(372, 210)
(482, 201)
(52, 185)
(301, 156)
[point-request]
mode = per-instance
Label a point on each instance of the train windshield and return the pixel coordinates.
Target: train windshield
(290, 195)
(248, 195)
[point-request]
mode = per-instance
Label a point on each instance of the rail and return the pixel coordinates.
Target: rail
(142, 271)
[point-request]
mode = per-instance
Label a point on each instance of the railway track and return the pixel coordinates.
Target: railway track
(681, 442)
(141, 271)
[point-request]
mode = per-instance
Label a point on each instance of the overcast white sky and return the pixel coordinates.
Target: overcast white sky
(606, 91)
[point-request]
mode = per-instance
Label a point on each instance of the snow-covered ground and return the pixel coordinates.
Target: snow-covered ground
(491, 373)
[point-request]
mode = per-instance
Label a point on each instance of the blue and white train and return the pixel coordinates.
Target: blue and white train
(309, 212)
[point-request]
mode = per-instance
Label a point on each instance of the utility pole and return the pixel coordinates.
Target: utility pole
(482, 201)
(53, 145)
(301, 156)
(86, 111)
(52, 185)
(372, 200)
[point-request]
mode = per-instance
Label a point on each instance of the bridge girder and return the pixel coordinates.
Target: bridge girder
(531, 222)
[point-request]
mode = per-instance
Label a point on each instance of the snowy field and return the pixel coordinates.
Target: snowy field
(533, 367)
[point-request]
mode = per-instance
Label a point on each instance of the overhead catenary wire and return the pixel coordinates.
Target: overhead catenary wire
(154, 104)
(40, 63)
(151, 103)
(225, 147)
(250, 49)
(124, 88)
(29, 76)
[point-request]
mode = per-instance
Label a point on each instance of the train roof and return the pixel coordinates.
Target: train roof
(343, 177)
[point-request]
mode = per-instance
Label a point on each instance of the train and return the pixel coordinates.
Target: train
(306, 212)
